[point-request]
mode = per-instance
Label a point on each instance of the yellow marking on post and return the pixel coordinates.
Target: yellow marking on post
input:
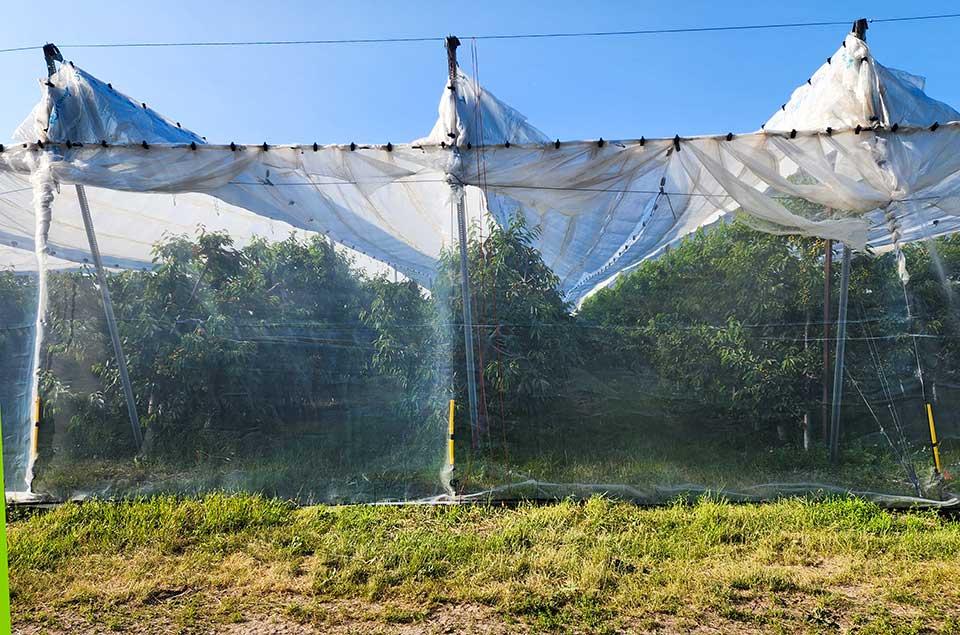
(35, 428)
(933, 440)
(450, 431)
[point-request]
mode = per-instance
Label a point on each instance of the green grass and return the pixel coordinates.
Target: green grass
(200, 565)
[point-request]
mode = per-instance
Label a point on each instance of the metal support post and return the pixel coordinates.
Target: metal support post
(841, 349)
(471, 370)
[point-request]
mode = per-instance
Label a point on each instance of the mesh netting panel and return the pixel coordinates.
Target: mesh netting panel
(704, 370)
(288, 369)
(17, 323)
(280, 368)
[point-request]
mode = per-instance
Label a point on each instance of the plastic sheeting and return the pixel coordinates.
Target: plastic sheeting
(598, 207)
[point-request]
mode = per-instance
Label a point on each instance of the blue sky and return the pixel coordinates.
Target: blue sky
(652, 85)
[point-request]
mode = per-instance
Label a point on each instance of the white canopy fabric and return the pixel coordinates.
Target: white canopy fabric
(829, 163)
(850, 157)
(852, 89)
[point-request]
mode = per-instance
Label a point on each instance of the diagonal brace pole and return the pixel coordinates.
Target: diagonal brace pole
(110, 317)
(52, 55)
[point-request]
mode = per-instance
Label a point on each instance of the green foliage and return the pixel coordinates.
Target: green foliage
(526, 338)
(710, 316)
(222, 344)
(732, 318)
(254, 356)
(411, 343)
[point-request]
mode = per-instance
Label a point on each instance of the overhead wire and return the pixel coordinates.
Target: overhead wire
(494, 36)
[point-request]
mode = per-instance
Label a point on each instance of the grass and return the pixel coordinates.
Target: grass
(222, 562)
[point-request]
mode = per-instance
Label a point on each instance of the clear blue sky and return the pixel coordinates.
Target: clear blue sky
(652, 85)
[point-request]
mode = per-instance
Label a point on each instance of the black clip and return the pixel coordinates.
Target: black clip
(642, 141)
(103, 142)
(144, 144)
(144, 104)
(556, 144)
(353, 146)
(315, 146)
(829, 131)
(936, 124)
(233, 147)
(1, 147)
(600, 142)
(894, 127)
(783, 107)
(793, 134)
(389, 147)
(676, 142)
(265, 146)
(178, 125)
(193, 145)
(809, 82)
(68, 144)
(109, 85)
(858, 129)
(505, 145)
(828, 60)
(40, 143)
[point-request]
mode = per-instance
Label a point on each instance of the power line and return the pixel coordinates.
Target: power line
(503, 36)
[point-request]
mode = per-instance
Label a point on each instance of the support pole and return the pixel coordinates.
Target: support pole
(827, 279)
(841, 349)
(111, 318)
(51, 55)
(471, 370)
(860, 30)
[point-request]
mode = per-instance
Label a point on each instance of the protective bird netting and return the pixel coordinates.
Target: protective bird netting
(645, 318)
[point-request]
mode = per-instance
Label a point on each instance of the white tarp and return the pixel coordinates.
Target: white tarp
(598, 207)
(603, 208)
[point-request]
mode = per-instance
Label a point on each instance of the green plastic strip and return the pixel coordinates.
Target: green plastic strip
(5, 626)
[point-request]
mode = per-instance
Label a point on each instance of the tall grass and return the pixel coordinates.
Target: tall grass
(595, 566)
